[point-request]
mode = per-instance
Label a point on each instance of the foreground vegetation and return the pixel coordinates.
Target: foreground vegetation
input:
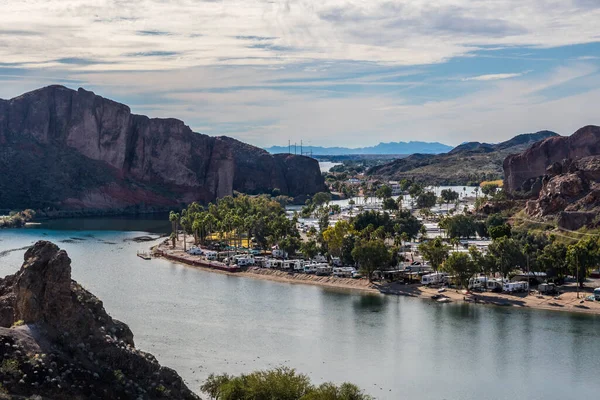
(16, 219)
(277, 384)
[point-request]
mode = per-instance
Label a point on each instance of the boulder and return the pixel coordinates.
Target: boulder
(59, 342)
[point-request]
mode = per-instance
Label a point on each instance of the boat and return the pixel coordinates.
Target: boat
(444, 300)
(144, 255)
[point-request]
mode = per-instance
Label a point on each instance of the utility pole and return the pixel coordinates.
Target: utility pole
(295, 149)
(301, 151)
(289, 147)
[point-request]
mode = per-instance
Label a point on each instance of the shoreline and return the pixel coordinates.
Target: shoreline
(567, 302)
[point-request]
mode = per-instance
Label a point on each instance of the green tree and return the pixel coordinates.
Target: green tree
(507, 254)
(321, 198)
(426, 200)
(489, 189)
(461, 266)
(448, 196)
(497, 232)
(174, 218)
(389, 204)
(434, 251)
(370, 256)
(310, 249)
(334, 236)
(383, 192)
(582, 256)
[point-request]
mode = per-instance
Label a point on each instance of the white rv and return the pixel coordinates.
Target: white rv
(211, 255)
(343, 272)
(310, 268)
(597, 294)
(195, 251)
(274, 263)
(336, 262)
(437, 278)
(319, 258)
(515, 287)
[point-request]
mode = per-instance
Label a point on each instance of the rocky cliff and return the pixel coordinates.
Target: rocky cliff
(522, 172)
(58, 342)
(67, 149)
(570, 191)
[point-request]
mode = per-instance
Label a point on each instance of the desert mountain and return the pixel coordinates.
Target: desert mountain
(73, 150)
(470, 162)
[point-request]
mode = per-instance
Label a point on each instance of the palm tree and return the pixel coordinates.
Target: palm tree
(174, 218)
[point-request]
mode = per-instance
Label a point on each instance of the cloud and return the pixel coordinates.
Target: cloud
(494, 77)
(334, 70)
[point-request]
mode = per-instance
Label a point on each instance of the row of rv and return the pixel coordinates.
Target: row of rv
(317, 266)
(479, 282)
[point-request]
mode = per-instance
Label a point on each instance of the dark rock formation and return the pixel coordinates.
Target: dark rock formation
(57, 341)
(571, 191)
(67, 149)
(522, 169)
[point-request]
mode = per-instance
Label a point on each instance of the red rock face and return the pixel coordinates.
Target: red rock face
(533, 162)
(156, 162)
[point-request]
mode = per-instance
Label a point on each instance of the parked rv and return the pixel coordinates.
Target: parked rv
(310, 268)
(323, 270)
(319, 258)
(211, 255)
(437, 278)
(597, 294)
(336, 262)
(273, 263)
(515, 287)
(195, 251)
(547, 288)
(343, 272)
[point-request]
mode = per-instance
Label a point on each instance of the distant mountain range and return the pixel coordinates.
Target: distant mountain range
(468, 163)
(381, 148)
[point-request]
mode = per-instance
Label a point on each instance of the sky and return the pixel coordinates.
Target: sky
(330, 72)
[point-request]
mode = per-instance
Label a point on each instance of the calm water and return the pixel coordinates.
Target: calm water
(396, 348)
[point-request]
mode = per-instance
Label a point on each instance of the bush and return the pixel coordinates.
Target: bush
(281, 383)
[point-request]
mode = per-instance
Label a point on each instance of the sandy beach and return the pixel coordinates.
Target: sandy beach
(567, 301)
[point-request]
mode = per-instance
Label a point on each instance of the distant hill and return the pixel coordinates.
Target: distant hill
(467, 163)
(381, 148)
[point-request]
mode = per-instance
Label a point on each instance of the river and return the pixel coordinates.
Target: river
(199, 322)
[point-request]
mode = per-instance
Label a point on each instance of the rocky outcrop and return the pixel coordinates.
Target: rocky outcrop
(57, 341)
(570, 191)
(75, 150)
(521, 171)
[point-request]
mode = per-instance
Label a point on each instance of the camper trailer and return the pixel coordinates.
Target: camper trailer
(323, 270)
(597, 294)
(343, 272)
(547, 288)
(211, 255)
(515, 287)
(437, 278)
(319, 258)
(478, 282)
(274, 263)
(494, 285)
(310, 268)
(336, 262)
